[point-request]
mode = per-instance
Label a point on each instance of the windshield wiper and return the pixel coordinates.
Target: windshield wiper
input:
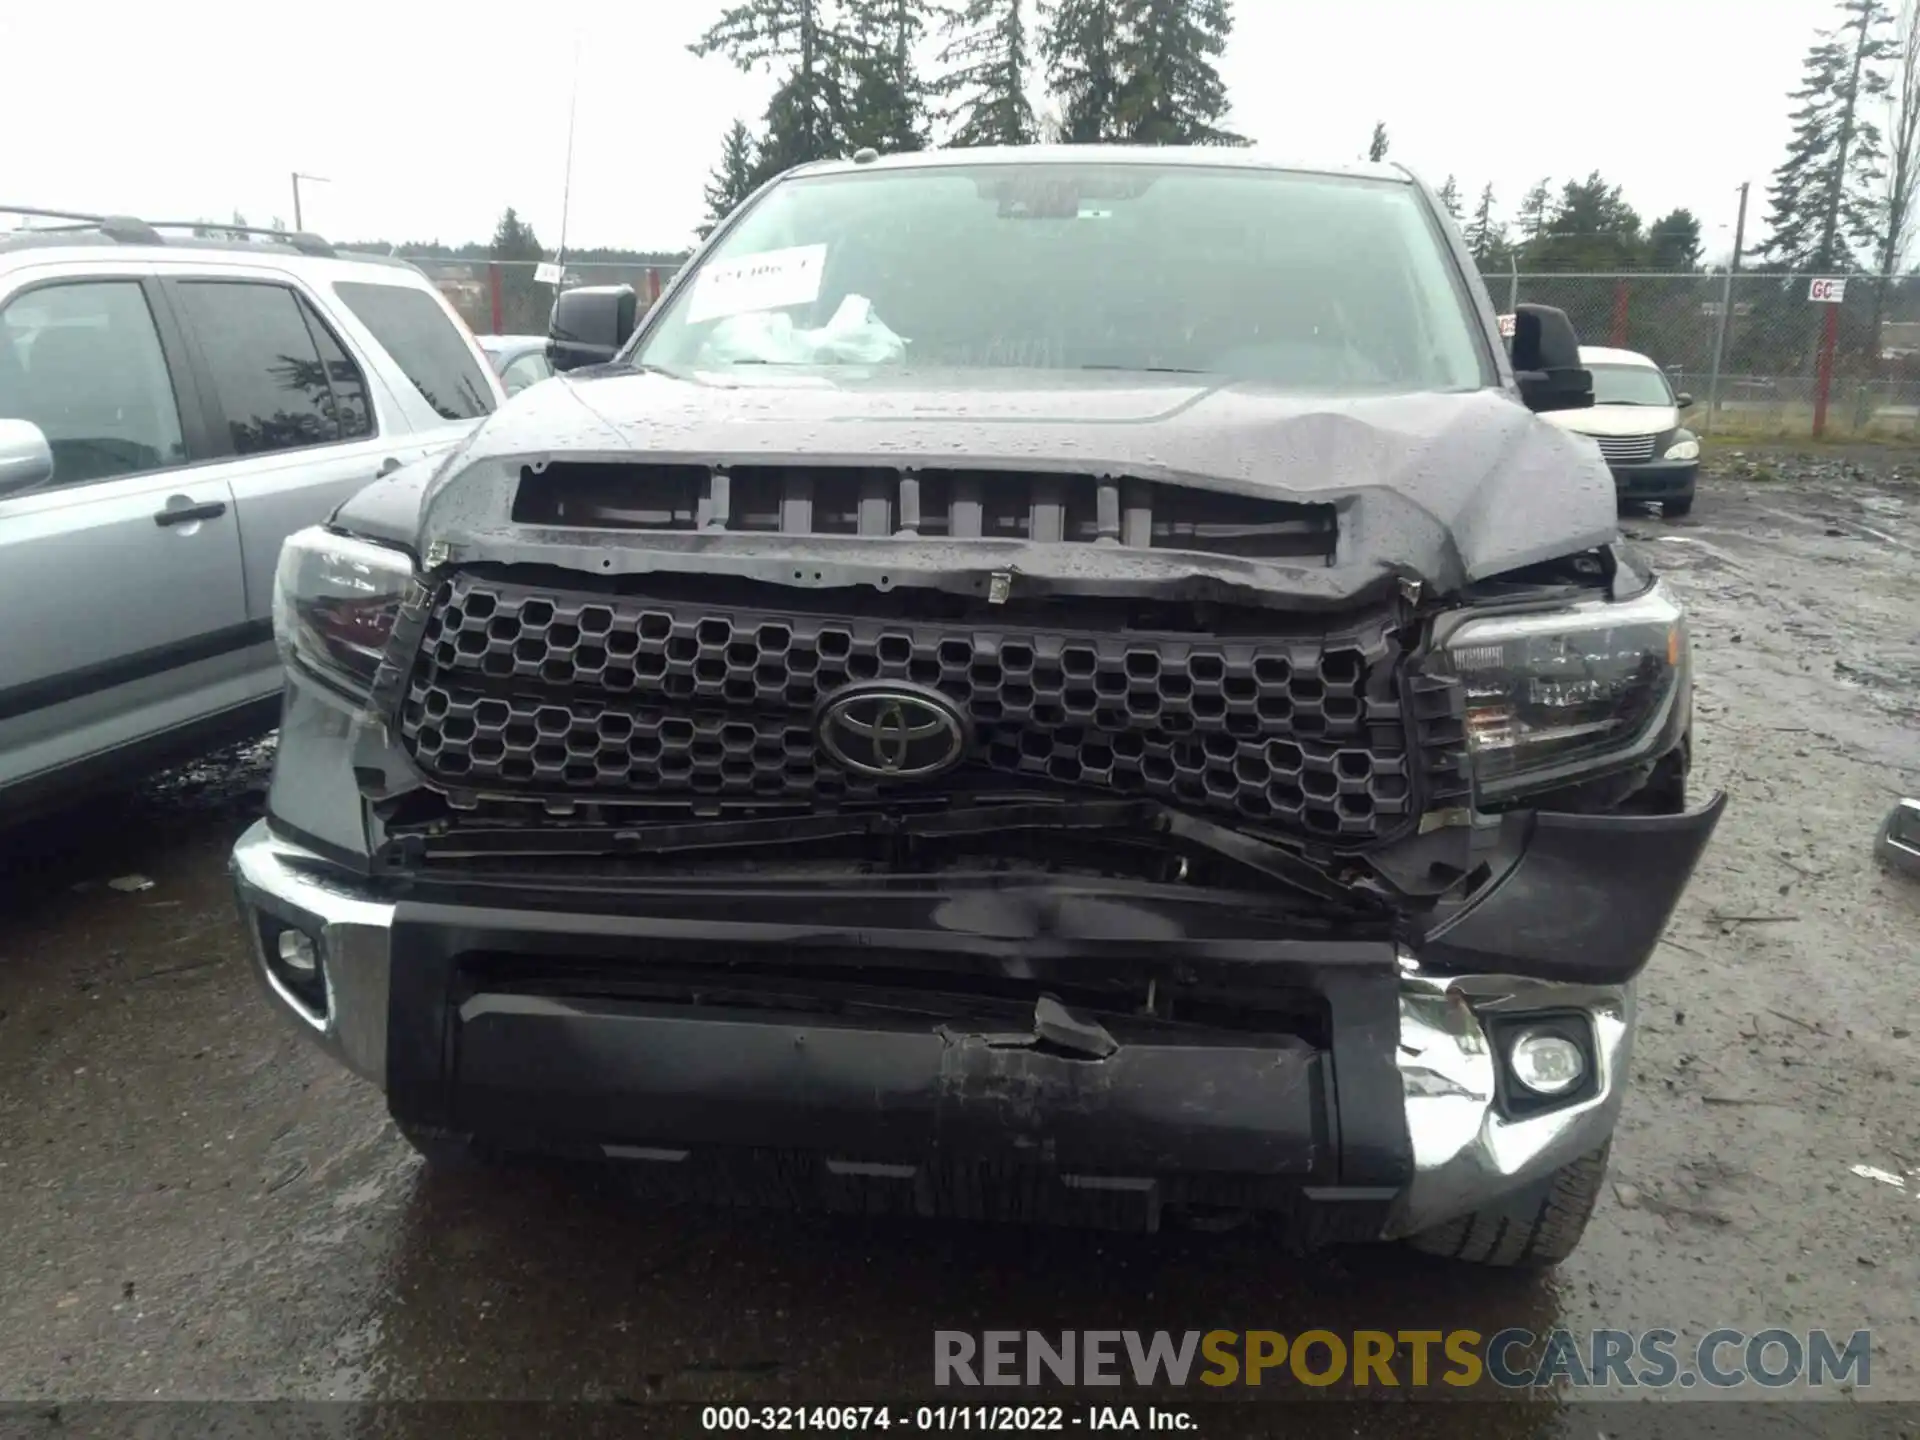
(1150, 369)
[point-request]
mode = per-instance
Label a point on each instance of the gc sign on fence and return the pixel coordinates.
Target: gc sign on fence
(1827, 292)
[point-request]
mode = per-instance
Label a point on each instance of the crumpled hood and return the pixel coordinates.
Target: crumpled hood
(1447, 488)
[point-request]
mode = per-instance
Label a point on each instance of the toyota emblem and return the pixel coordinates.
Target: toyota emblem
(891, 731)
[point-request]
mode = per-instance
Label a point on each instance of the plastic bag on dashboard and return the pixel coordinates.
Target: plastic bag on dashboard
(854, 336)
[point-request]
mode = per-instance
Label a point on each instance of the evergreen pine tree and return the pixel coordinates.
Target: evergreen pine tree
(1902, 161)
(1485, 235)
(1377, 148)
(734, 178)
(1170, 91)
(513, 239)
(804, 118)
(1535, 207)
(1903, 145)
(794, 133)
(1078, 44)
(1592, 229)
(1673, 243)
(1449, 197)
(886, 103)
(987, 55)
(1822, 205)
(524, 301)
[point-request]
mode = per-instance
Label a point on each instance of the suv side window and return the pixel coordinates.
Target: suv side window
(82, 360)
(350, 405)
(424, 343)
(263, 349)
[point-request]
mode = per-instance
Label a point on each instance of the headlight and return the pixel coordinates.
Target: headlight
(1684, 450)
(1554, 695)
(334, 604)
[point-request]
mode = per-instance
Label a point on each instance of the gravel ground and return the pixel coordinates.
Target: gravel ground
(196, 1206)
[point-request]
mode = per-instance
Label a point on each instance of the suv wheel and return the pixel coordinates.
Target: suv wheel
(1532, 1228)
(1676, 507)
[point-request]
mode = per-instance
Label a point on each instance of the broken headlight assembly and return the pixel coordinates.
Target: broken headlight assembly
(1560, 695)
(335, 601)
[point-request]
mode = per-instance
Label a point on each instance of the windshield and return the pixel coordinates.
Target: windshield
(1630, 385)
(1306, 281)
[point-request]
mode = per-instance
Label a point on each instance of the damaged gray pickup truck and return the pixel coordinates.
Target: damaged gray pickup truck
(1058, 684)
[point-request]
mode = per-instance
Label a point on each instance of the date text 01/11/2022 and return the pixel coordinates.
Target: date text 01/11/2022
(991, 1418)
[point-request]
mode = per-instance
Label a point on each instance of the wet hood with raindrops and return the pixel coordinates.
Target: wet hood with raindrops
(1443, 488)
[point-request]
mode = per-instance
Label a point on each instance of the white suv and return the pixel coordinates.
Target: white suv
(171, 408)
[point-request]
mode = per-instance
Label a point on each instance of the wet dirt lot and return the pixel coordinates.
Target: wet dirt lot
(195, 1205)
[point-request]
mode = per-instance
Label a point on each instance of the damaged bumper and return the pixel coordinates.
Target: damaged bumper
(883, 1047)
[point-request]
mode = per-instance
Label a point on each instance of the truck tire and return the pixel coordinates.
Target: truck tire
(1679, 505)
(1532, 1228)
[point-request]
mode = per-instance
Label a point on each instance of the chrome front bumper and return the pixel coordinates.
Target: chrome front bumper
(279, 882)
(1466, 1150)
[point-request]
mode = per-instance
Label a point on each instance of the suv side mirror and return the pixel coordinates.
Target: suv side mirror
(589, 325)
(1683, 400)
(1546, 360)
(26, 460)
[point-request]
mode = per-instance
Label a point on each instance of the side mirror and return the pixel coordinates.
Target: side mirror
(1683, 400)
(1546, 360)
(26, 460)
(589, 325)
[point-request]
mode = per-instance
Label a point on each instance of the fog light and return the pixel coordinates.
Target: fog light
(297, 954)
(1547, 1064)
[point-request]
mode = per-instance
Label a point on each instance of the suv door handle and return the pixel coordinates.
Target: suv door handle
(185, 514)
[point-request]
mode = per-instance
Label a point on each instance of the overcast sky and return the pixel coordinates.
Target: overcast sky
(428, 119)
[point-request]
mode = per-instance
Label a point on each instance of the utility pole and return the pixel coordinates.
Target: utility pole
(1726, 311)
(297, 178)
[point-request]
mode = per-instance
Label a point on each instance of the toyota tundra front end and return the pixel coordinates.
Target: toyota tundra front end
(1035, 754)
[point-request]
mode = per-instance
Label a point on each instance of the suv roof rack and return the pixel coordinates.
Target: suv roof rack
(130, 230)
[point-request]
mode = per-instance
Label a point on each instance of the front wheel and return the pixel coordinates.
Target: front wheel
(1532, 1228)
(1676, 507)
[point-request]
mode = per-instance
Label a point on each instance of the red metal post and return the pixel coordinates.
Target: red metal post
(1618, 336)
(1823, 381)
(653, 284)
(496, 298)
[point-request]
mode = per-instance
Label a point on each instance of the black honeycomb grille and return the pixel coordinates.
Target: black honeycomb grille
(533, 691)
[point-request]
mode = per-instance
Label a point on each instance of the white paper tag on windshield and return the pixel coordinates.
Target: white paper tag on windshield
(770, 280)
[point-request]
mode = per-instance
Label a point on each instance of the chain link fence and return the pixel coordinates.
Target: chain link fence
(503, 297)
(1787, 366)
